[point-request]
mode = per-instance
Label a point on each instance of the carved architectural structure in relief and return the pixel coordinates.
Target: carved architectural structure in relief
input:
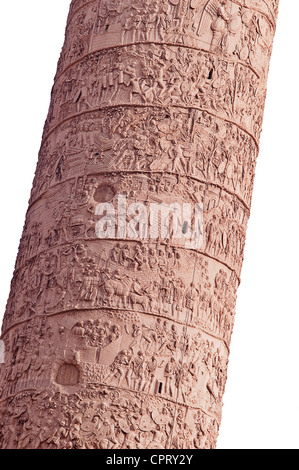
(124, 342)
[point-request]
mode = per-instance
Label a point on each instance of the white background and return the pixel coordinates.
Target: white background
(261, 408)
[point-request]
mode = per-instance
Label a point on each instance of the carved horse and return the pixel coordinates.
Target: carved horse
(121, 290)
(118, 290)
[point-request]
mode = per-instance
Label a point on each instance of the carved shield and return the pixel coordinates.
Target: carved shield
(27, 363)
(246, 17)
(160, 418)
(124, 426)
(146, 424)
(244, 53)
(14, 372)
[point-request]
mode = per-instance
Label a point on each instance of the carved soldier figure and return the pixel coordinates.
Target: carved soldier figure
(219, 26)
(82, 97)
(170, 374)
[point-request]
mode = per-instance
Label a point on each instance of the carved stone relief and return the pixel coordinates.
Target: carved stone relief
(123, 341)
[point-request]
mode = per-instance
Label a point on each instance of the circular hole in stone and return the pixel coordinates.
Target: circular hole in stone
(104, 194)
(68, 374)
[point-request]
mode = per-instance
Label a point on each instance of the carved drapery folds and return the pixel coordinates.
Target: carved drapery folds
(121, 342)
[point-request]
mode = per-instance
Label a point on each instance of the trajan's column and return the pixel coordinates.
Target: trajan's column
(114, 337)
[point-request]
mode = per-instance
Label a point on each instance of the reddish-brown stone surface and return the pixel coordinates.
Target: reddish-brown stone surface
(123, 342)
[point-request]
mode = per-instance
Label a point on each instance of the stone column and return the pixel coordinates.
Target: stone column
(123, 341)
